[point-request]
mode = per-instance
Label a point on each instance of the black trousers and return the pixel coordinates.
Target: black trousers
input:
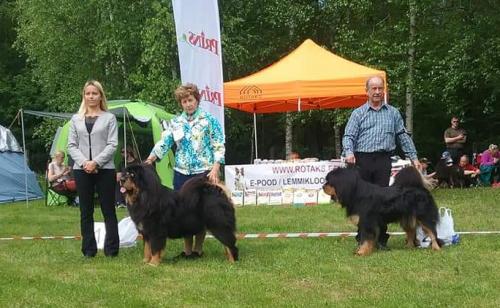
(376, 168)
(104, 183)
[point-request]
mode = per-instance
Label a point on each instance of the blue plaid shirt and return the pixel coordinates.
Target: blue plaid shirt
(201, 143)
(369, 130)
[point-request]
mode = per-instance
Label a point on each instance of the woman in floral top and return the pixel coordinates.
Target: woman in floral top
(200, 150)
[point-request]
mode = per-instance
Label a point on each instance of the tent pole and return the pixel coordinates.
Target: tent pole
(125, 137)
(255, 134)
(25, 158)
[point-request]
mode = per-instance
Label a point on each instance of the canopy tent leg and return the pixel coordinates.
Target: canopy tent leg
(255, 134)
(124, 138)
(25, 158)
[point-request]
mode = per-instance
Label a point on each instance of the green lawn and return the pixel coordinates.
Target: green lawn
(272, 272)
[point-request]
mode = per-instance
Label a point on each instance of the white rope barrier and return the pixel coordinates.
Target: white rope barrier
(241, 236)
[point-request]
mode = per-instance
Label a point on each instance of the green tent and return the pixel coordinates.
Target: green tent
(142, 130)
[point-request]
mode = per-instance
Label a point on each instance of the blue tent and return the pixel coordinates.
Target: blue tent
(17, 181)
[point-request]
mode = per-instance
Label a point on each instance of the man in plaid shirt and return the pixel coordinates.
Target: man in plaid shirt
(370, 140)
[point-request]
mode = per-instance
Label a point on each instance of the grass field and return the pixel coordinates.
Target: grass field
(272, 272)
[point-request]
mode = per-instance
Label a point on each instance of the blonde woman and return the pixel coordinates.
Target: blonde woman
(92, 142)
(57, 171)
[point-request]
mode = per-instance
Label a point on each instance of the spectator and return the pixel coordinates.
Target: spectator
(455, 139)
(293, 156)
(470, 172)
(59, 176)
(425, 165)
(489, 165)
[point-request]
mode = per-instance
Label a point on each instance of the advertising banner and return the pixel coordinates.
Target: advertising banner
(198, 40)
(279, 176)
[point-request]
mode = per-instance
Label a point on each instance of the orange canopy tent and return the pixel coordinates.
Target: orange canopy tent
(310, 77)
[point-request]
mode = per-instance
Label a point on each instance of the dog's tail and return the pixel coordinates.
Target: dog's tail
(411, 177)
(216, 205)
(195, 188)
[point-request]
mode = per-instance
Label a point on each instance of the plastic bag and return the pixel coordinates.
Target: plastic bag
(445, 230)
(446, 227)
(126, 231)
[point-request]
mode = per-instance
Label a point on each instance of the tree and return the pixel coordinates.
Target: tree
(130, 45)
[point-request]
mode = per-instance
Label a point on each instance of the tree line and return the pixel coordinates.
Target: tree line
(444, 53)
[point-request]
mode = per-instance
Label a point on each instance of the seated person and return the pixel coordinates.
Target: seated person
(293, 156)
(128, 156)
(425, 164)
(429, 177)
(470, 172)
(489, 165)
(58, 175)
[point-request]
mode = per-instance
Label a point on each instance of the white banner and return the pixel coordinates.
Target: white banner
(279, 176)
(198, 41)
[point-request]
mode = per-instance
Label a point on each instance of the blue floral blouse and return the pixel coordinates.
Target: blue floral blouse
(199, 139)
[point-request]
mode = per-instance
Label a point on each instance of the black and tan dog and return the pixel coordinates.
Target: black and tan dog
(369, 206)
(449, 175)
(160, 213)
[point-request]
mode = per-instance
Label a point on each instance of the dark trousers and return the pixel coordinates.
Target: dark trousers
(104, 183)
(180, 179)
(376, 168)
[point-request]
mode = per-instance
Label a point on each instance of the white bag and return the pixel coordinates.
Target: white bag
(445, 227)
(100, 234)
(126, 231)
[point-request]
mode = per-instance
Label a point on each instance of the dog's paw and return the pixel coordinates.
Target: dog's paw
(365, 249)
(435, 246)
(362, 253)
(411, 244)
(154, 263)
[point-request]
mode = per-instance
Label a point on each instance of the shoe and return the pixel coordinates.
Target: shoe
(121, 206)
(88, 255)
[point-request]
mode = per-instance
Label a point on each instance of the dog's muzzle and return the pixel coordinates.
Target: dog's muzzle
(125, 177)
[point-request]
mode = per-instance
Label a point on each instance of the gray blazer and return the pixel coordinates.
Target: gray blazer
(102, 142)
